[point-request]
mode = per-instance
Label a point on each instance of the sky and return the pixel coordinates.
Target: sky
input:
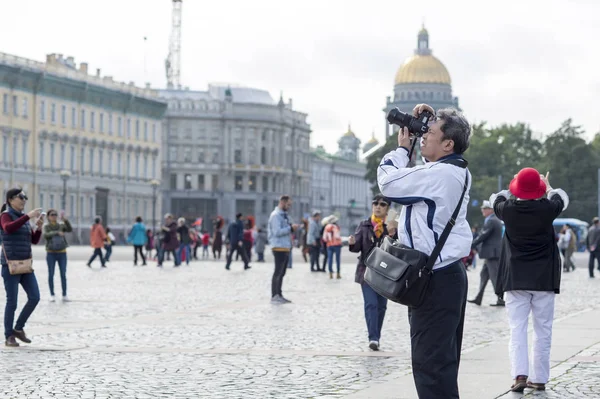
(535, 61)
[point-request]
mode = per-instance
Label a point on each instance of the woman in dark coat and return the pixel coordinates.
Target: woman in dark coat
(368, 234)
(170, 242)
(529, 271)
(17, 237)
(217, 245)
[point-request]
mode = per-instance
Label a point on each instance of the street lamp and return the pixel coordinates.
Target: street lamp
(65, 175)
(154, 183)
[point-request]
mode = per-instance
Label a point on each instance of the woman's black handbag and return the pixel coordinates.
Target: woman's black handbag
(57, 243)
(400, 273)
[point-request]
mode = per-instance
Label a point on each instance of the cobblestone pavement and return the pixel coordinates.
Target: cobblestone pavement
(201, 332)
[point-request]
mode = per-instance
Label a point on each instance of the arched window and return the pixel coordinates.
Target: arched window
(263, 156)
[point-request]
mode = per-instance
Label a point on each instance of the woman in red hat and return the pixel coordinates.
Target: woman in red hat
(529, 273)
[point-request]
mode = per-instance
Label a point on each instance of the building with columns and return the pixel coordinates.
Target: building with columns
(233, 149)
(59, 123)
(339, 185)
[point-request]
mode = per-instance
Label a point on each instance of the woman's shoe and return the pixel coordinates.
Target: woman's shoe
(20, 335)
(338, 276)
(520, 384)
(330, 275)
(535, 386)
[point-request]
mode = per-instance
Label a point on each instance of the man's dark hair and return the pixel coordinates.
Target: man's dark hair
(238, 216)
(381, 197)
(138, 219)
(455, 128)
(284, 198)
(97, 220)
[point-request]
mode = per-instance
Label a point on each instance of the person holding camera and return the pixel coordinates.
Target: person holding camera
(17, 237)
(56, 250)
(280, 239)
(430, 193)
(529, 274)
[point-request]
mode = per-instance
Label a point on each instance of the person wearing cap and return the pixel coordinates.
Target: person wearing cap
(490, 239)
(333, 240)
(368, 235)
(530, 271)
(430, 193)
(313, 240)
(593, 245)
(235, 237)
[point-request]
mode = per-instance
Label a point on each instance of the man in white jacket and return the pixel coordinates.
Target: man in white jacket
(430, 193)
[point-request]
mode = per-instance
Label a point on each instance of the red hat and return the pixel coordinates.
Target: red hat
(528, 185)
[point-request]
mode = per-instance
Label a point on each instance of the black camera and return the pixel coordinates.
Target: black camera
(416, 126)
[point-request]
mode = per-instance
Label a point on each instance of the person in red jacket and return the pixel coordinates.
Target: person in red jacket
(205, 244)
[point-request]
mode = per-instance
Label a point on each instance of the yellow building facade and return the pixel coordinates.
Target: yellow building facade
(65, 131)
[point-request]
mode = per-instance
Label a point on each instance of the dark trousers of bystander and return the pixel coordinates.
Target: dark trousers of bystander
(436, 332)
(281, 261)
(97, 253)
(594, 257)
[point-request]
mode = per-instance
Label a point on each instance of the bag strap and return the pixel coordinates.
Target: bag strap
(442, 240)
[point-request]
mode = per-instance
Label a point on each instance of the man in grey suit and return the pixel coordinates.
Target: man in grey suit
(490, 240)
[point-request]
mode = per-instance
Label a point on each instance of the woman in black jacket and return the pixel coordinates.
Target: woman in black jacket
(529, 271)
(17, 237)
(368, 234)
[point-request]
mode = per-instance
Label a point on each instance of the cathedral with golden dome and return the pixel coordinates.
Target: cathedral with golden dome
(421, 79)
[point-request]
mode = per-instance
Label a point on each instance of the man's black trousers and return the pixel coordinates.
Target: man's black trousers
(436, 332)
(281, 261)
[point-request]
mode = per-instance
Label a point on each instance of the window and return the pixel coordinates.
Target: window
(154, 132)
(63, 156)
(215, 182)
(239, 183)
(137, 129)
(24, 149)
(92, 120)
(51, 201)
(187, 154)
(53, 113)
(154, 167)
(187, 180)
(15, 105)
(172, 154)
(263, 156)
(252, 183)
(52, 156)
(15, 150)
(173, 182)
(145, 166)
(91, 160)
(265, 184)
(145, 131)
(110, 160)
(128, 165)
(201, 183)
(200, 156)
(73, 117)
(237, 156)
(101, 122)
(72, 158)
(72, 205)
(128, 128)
(264, 206)
(92, 208)
(145, 209)
(42, 163)
(100, 161)
(5, 149)
(119, 209)
(128, 212)
(82, 122)
(41, 200)
(110, 125)
(120, 126)
(63, 115)
(82, 205)
(5, 103)
(137, 166)
(42, 111)
(25, 108)
(82, 161)
(119, 162)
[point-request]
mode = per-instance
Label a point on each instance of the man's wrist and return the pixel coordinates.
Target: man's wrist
(405, 148)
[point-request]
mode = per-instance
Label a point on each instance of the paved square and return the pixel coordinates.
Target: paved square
(202, 332)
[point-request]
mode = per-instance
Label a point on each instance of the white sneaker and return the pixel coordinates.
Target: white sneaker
(66, 299)
(277, 299)
(374, 345)
(52, 298)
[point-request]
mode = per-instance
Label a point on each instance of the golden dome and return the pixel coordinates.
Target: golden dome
(373, 140)
(349, 133)
(422, 69)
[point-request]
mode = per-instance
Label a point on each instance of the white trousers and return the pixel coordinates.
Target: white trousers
(518, 306)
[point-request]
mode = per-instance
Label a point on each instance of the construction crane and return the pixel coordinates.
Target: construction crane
(173, 61)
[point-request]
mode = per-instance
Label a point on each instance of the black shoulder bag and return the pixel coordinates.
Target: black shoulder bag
(402, 274)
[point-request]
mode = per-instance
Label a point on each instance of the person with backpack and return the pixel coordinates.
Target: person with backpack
(56, 250)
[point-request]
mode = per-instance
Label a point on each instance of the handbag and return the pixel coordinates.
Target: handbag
(24, 266)
(401, 273)
(57, 243)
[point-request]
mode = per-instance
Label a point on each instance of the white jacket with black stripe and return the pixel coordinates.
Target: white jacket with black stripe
(430, 194)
